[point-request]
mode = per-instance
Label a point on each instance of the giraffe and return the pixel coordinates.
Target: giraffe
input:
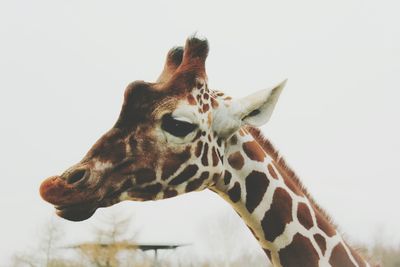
(175, 136)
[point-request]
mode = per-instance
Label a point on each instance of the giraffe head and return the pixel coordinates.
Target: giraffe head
(169, 139)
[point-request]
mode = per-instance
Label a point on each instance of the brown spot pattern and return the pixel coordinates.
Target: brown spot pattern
(340, 258)
(147, 192)
(220, 156)
(168, 193)
(321, 242)
(195, 184)
(272, 171)
(199, 147)
(204, 158)
(234, 192)
(191, 100)
(236, 160)
(233, 140)
(254, 151)
(279, 214)
(300, 252)
(256, 186)
(173, 161)
(145, 176)
(227, 177)
(185, 175)
(214, 156)
(219, 141)
(198, 134)
(304, 215)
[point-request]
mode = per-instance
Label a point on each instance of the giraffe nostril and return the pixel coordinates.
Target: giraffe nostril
(76, 176)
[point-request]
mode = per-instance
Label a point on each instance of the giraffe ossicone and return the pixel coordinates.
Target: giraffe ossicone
(177, 135)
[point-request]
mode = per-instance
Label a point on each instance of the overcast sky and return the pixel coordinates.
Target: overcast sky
(64, 66)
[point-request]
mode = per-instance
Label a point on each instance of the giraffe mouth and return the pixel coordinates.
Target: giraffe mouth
(83, 211)
(75, 203)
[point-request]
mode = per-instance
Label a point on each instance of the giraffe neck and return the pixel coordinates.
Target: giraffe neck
(290, 227)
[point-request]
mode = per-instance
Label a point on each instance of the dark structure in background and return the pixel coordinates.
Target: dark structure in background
(112, 249)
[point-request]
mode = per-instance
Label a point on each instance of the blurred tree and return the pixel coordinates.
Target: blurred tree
(111, 242)
(50, 236)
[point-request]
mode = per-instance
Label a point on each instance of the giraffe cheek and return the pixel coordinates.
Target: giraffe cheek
(173, 161)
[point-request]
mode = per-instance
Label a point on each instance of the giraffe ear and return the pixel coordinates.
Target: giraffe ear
(257, 108)
(254, 110)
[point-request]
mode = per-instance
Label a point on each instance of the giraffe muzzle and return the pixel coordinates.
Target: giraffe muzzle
(72, 202)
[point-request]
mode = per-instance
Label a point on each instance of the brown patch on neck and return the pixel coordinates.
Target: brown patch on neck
(299, 253)
(321, 242)
(227, 177)
(254, 151)
(199, 148)
(214, 156)
(304, 216)
(278, 216)
(340, 258)
(196, 183)
(235, 192)
(256, 185)
(236, 160)
(204, 158)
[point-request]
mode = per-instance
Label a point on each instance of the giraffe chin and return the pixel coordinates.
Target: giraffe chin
(76, 213)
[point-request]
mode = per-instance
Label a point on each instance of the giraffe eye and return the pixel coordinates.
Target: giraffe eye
(176, 127)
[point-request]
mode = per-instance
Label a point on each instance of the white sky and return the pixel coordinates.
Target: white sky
(64, 66)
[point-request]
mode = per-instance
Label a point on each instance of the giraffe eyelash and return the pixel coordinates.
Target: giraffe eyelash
(178, 128)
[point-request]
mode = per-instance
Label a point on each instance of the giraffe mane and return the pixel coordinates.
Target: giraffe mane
(285, 169)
